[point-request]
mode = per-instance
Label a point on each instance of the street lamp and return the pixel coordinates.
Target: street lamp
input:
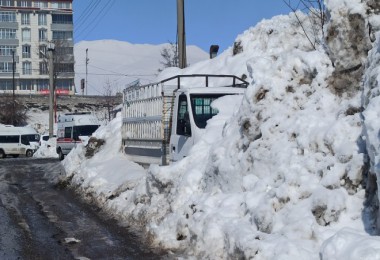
(51, 48)
(13, 86)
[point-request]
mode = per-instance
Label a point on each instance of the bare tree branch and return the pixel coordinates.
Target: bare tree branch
(170, 56)
(317, 15)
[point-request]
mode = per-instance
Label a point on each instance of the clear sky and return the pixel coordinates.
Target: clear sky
(155, 21)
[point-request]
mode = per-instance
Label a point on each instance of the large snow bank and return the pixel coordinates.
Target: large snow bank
(280, 180)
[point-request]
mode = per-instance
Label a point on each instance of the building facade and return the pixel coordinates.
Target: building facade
(27, 29)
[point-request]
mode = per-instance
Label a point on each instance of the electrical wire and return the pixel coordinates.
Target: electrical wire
(87, 13)
(96, 20)
(121, 74)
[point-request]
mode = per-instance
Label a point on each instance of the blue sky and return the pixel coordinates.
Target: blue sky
(155, 21)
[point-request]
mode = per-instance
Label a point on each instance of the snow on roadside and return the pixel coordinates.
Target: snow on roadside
(108, 172)
(280, 180)
(47, 149)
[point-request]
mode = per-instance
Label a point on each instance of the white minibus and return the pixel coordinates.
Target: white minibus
(15, 141)
(74, 128)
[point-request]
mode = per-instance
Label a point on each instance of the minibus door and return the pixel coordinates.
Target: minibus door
(181, 139)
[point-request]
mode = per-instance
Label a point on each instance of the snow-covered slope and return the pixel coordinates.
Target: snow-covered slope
(119, 63)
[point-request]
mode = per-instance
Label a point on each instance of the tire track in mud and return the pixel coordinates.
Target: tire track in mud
(43, 222)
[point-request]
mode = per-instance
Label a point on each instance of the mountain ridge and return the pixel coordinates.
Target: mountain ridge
(117, 63)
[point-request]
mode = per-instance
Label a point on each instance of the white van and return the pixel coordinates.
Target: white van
(163, 120)
(17, 141)
(74, 128)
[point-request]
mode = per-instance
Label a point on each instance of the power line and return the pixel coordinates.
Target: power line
(87, 13)
(87, 10)
(97, 19)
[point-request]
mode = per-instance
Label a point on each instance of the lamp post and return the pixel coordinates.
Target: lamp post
(13, 86)
(51, 48)
(87, 59)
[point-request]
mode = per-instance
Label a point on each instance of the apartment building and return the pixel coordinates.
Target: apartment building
(27, 29)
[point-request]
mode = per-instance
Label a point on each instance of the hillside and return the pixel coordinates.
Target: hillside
(120, 63)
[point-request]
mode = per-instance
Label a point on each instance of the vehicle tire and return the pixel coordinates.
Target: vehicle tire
(15, 155)
(29, 153)
(2, 154)
(61, 156)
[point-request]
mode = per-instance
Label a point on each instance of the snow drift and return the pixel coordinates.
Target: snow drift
(279, 173)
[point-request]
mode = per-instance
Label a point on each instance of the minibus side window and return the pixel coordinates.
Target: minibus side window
(84, 130)
(25, 140)
(68, 131)
(12, 139)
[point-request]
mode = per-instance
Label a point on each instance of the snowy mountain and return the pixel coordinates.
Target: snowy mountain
(119, 63)
(293, 172)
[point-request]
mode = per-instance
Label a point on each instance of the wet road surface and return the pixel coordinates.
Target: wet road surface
(38, 220)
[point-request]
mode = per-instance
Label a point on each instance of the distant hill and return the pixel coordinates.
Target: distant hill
(120, 63)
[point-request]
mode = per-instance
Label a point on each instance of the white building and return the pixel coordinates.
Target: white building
(26, 29)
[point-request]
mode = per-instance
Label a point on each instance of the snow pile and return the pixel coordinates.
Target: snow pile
(281, 179)
(47, 149)
(350, 244)
(104, 173)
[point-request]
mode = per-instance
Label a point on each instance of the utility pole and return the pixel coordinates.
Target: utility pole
(13, 86)
(181, 33)
(51, 48)
(87, 59)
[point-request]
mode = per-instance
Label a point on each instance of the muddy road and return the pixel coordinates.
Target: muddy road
(38, 220)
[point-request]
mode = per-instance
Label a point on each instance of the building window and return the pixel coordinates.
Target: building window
(64, 51)
(40, 4)
(64, 84)
(43, 68)
(60, 5)
(42, 19)
(26, 35)
(7, 3)
(42, 34)
(6, 50)
(65, 67)
(62, 35)
(42, 51)
(9, 17)
(42, 84)
(5, 67)
(24, 3)
(62, 18)
(6, 84)
(25, 18)
(26, 84)
(7, 33)
(26, 51)
(26, 68)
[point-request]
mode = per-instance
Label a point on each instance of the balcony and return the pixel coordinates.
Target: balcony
(9, 58)
(62, 27)
(9, 25)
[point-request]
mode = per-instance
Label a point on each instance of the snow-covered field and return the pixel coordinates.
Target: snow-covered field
(279, 172)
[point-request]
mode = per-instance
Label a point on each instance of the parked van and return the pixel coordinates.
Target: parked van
(74, 128)
(17, 141)
(163, 120)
